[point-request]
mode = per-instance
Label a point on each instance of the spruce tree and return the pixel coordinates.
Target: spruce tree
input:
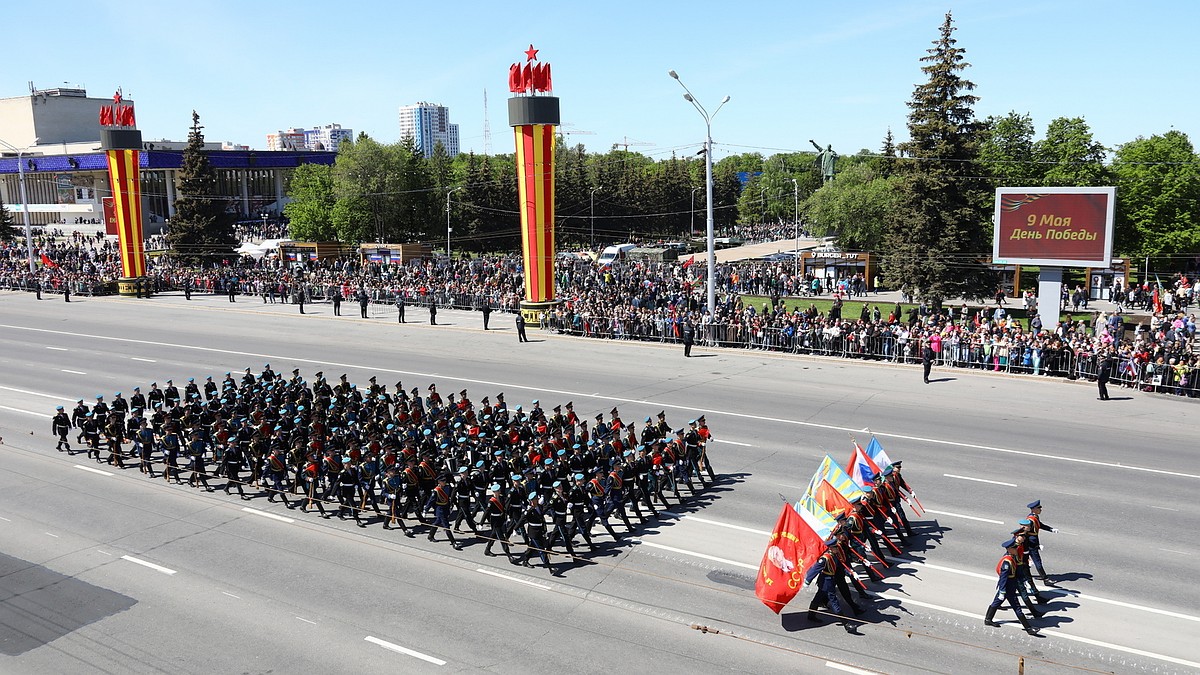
(201, 232)
(8, 228)
(937, 239)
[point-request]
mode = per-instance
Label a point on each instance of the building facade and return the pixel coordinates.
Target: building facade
(292, 139)
(429, 124)
(328, 137)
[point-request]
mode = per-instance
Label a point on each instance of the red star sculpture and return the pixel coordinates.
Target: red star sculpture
(531, 54)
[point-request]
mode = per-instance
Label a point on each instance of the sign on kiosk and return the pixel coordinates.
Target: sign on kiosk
(1054, 227)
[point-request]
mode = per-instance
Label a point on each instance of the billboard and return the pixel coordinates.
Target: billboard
(1054, 227)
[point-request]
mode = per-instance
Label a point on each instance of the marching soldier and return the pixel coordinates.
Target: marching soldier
(232, 462)
(441, 501)
(534, 521)
(1006, 589)
(826, 569)
(60, 426)
(495, 514)
(1033, 540)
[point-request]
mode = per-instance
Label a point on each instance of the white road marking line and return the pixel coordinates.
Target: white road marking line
(722, 440)
(1162, 508)
(706, 521)
(404, 650)
(5, 519)
(91, 470)
(272, 516)
(959, 515)
(48, 534)
(27, 412)
(135, 358)
(58, 349)
(723, 561)
(38, 393)
(1050, 632)
(1169, 550)
(965, 573)
(146, 563)
(306, 620)
(103, 552)
(848, 669)
(763, 418)
(73, 372)
(979, 480)
(511, 578)
(235, 597)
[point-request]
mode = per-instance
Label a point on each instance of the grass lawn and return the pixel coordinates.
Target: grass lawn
(852, 308)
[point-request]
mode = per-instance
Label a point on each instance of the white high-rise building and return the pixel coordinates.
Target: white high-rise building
(292, 139)
(327, 137)
(429, 124)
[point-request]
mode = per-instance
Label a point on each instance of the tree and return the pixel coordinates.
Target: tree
(311, 207)
(854, 207)
(1070, 157)
(1006, 151)
(1158, 190)
(202, 229)
(8, 228)
(937, 236)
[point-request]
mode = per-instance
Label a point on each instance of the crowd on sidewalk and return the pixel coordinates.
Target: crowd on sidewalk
(660, 301)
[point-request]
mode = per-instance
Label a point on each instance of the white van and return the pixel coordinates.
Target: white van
(612, 253)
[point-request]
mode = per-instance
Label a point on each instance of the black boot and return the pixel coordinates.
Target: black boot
(988, 619)
(1025, 623)
(812, 616)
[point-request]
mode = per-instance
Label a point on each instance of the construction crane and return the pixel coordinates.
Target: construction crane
(626, 141)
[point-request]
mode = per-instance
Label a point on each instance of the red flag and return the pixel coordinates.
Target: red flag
(689, 262)
(48, 262)
(515, 83)
(830, 499)
(793, 547)
(549, 82)
(106, 116)
(527, 77)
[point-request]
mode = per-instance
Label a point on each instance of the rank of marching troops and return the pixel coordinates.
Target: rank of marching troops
(1014, 571)
(862, 539)
(414, 460)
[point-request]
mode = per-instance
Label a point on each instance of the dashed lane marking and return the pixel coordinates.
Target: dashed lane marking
(979, 480)
(91, 470)
(519, 580)
(146, 563)
(404, 650)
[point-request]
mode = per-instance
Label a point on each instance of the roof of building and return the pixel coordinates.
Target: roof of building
(170, 159)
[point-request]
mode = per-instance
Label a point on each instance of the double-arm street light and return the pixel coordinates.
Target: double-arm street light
(24, 200)
(448, 230)
(708, 183)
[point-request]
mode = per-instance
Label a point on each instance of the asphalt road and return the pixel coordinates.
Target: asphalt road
(213, 587)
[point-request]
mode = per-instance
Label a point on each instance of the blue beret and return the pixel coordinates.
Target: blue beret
(887, 470)
(1024, 521)
(462, 469)
(59, 408)
(479, 464)
(867, 489)
(515, 476)
(647, 419)
(578, 476)
(548, 461)
(855, 499)
(533, 496)
(557, 483)
(494, 487)
(1034, 505)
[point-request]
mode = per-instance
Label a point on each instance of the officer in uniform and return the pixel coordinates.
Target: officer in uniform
(144, 439)
(534, 521)
(60, 426)
(393, 487)
(827, 568)
(1033, 540)
(1006, 589)
(232, 462)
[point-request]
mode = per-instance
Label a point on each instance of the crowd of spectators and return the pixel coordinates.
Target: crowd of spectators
(654, 301)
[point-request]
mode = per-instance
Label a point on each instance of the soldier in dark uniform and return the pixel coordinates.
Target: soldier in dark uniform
(198, 448)
(145, 441)
(78, 415)
(336, 296)
(348, 480)
(393, 487)
(210, 388)
(487, 312)
(534, 521)
(1033, 540)
(441, 501)
(1006, 589)
(400, 307)
(171, 394)
(155, 398)
(137, 399)
(560, 507)
(232, 462)
(60, 426)
(114, 433)
(171, 446)
(275, 469)
(521, 337)
(827, 568)
(495, 514)
(463, 492)
(191, 392)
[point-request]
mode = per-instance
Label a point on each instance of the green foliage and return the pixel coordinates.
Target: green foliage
(310, 212)
(201, 230)
(1071, 157)
(938, 234)
(8, 227)
(1006, 151)
(854, 207)
(1158, 190)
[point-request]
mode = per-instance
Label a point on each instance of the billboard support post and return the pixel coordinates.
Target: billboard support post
(1049, 296)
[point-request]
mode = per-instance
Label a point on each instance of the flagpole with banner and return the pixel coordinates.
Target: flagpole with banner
(793, 547)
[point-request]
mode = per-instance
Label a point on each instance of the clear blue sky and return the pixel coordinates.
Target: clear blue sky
(839, 73)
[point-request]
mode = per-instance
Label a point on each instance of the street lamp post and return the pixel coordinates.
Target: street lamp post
(708, 184)
(593, 216)
(693, 212)
(448, 230)
(24, 201)
(796, 223)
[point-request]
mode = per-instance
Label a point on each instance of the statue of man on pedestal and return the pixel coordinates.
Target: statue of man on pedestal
(827, 159)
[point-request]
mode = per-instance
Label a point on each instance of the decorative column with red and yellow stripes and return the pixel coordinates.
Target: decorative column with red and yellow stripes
(533, 117)
(122, 144)
(124, 176)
